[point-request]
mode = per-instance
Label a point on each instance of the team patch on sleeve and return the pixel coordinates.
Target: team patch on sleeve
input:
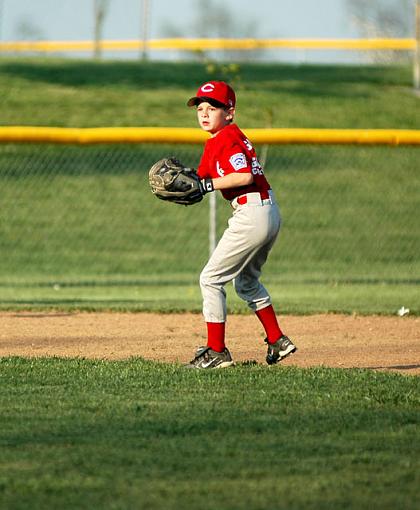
(238, 161)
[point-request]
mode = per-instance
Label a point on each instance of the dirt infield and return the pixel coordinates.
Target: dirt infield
(381, 343)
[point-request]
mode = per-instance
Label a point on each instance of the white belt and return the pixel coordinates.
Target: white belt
(253, 198)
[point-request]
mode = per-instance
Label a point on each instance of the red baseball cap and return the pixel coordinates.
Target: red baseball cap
(217, 91)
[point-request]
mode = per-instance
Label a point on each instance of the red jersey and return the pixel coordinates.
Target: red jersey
(228, 152)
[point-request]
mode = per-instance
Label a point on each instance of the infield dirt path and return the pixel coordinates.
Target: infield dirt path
(381, 343)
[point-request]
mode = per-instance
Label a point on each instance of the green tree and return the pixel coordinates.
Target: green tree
(214, 19)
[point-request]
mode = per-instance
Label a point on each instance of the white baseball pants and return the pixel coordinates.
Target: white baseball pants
(239, 256)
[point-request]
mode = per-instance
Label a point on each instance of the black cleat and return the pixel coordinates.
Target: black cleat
(207, 358)
(279, 350)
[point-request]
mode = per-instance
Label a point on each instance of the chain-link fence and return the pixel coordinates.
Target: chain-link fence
(86, 214)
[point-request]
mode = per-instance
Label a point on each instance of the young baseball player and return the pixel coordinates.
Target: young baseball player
(229, 164)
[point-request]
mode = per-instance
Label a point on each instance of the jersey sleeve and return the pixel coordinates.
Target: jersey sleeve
(235, 159)
(203, 170)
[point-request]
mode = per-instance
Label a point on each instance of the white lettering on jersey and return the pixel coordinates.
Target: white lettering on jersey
(248, 144)
(256, 167)
(219, 169)
(238, 161)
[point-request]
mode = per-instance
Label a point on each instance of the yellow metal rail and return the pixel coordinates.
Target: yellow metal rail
(106, 135)
(211, 44)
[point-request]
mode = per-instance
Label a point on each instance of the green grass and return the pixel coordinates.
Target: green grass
(137, 434)
(77, 93)
(350, 239)
(84, 218)
(182, 295)
(80, 230)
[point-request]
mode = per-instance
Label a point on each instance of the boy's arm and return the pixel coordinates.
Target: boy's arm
(234, 180)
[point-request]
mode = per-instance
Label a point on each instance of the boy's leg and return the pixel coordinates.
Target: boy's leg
(250, 289)
(238, 245)
(216, 336)
(268, 319)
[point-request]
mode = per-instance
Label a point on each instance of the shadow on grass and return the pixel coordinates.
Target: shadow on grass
(394, 367)
(319, 80)
(141, 282)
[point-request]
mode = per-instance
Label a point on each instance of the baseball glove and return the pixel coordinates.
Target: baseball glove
(170, 180)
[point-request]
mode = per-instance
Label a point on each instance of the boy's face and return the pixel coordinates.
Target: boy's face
(213, 119)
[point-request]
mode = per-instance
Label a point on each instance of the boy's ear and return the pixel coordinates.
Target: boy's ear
(230, 114)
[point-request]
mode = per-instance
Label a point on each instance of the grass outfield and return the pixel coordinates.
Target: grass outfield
(84, 93)
(80, 228)
(137, 434)
(364, 298)
(81, 233)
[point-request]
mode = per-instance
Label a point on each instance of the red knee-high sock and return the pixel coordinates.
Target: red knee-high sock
(216, 336)
(268, 319)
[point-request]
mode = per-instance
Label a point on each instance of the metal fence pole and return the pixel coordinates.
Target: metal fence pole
(145, 10)
(99, 8)
(1, 19)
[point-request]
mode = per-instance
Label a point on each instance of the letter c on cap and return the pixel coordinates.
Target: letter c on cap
(208, 87)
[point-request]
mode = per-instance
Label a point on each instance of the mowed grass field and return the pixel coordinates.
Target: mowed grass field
(134, 434)
(75, 93)
(81, 230)
(145, 435)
